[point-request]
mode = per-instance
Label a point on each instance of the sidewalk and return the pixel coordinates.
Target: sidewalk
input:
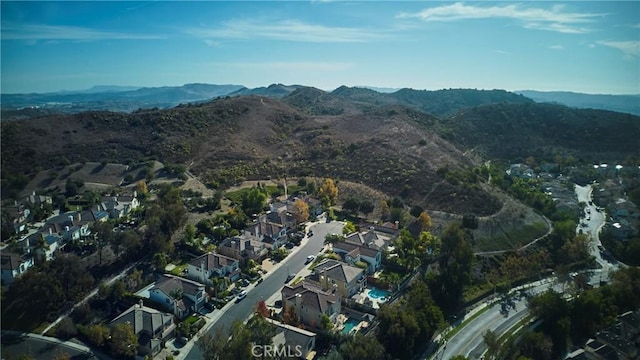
(212, 317)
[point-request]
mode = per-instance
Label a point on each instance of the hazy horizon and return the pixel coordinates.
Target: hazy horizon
(583, 47)
(372, 87)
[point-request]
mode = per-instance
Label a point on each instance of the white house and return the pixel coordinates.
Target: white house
(120, 206)
(212, 264)
(352, 253)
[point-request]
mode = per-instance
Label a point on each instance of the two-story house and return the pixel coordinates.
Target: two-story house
(243, 247)
(352, 252)
(178, 295)
(212, 264)
(69, 226)
(348, 280)
(18, 215)
(152, 327)
(272, 234)
(14, 265)
(308, 303)
(120, 206)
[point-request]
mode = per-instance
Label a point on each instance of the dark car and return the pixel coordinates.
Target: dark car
(290, 277)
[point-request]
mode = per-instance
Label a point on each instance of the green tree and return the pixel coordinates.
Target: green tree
(124, 342)
(366, 207)
(493, 345)
(351, 205)
(97, 334)
(348, 228)
(455, 263)
(254, 200)
(553, 310)
(325, 322)
(361, 347)
(397, 331)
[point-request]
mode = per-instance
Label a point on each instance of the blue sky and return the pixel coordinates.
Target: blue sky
(591, 47)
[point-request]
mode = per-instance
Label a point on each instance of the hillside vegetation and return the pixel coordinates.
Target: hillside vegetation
(512, 131)
(352, 134)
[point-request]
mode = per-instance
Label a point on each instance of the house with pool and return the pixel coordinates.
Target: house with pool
(308, 302)
(348, 280)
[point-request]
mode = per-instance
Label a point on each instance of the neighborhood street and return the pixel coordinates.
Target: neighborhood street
(221, 320)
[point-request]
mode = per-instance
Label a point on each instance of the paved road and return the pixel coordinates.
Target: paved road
(273, 283)
(469, 342)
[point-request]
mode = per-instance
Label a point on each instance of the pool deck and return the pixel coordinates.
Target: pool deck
(342, 320)
(376, 302)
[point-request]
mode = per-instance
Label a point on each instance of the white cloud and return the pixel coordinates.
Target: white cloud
(629, 48)
(36, 32)
(289, 30)
(556, 47)
(553, 19)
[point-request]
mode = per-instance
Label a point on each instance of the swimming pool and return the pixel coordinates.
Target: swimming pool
(350, 324)
(378, 294)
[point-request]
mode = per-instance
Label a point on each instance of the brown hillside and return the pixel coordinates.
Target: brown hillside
(253, 137)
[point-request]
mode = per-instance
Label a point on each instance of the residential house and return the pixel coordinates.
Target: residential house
(280, 213)
(315, 205)
(97, 214)
(243, 247)
(14, 265)
(521, 170)
(18, 215)
(179, 295)
(348, 280)
(297, 342)
(44, 244)
(37, 200)
(212, 264)
(376, 237)
(120, 206)
(69, 226)
(308, 303)
(352, 252)
(272, 234)
(152, 327)
(618, 341)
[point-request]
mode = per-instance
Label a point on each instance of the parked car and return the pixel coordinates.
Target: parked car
(290, 277)
(310, 233)
(310, 258)
(241, 295)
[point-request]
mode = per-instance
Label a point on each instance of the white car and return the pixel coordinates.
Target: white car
(242, 295)
(310, 258)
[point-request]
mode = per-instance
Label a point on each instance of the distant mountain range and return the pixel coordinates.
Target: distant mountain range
(439, 102)
(116, 98)
(621, 103)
